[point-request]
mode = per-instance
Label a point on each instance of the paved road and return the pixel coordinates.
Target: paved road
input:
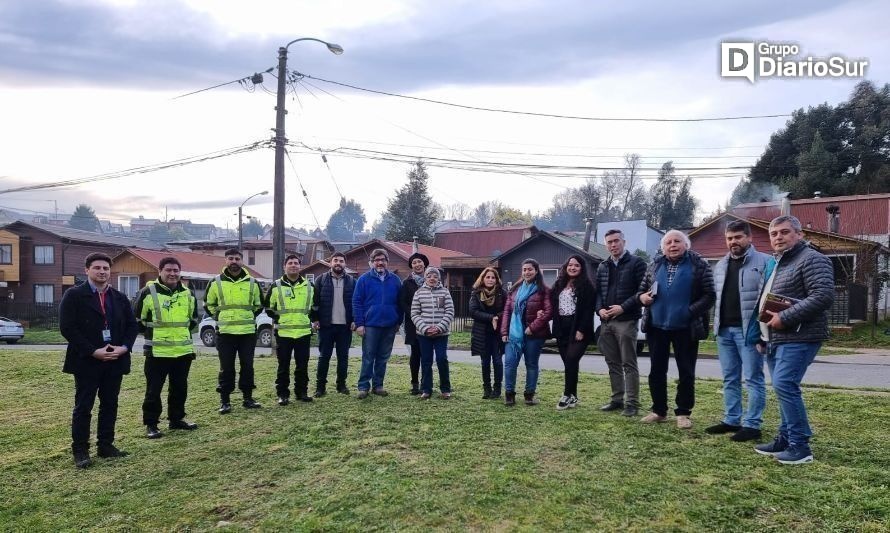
(863, 370)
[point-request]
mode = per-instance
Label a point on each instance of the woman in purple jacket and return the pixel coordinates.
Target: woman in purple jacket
(524, 330)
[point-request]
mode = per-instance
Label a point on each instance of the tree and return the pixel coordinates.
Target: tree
(684, 206)
(412, 211)
(159, 233)
(483, 214)
(252, 229)
(380, 227)
(84, 218)
(662, 197)
(505, 216)
(457, 211)
(178, 234)
(346, 221)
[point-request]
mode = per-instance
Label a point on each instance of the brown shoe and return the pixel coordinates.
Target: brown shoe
(652, 418)
(684, 422)
(380, 392)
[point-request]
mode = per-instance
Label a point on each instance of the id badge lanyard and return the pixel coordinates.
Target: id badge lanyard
(106, 331)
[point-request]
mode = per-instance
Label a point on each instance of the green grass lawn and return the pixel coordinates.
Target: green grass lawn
(397, 463)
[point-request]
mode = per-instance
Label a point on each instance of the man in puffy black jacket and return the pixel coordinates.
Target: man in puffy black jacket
(795, 334)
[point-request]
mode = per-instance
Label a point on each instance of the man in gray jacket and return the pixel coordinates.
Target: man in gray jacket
(795, 334)
(739, 278)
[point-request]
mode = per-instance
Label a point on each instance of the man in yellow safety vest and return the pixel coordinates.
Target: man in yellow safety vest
(167, 313)
(288, 302)
(234, 300)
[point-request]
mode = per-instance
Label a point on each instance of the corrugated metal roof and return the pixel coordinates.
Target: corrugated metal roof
(92, 237)
(205, 265)
(484, 242)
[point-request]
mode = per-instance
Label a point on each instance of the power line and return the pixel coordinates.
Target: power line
(143, 169)
(255, 79)
(300, 182)
(544, 115)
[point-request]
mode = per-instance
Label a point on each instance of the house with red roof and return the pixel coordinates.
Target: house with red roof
(135, 267)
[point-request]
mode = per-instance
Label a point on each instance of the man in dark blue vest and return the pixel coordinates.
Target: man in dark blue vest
(331, 315)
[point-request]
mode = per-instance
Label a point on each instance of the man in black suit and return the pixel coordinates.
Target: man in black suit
(99, 325)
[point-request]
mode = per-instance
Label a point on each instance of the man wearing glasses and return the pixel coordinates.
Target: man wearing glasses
(375, 310)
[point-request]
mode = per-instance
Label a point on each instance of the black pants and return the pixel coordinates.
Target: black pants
(106, 383)
(686, 354)
(156, 371)
(300, 350)
(571, 352)
(493, 354)
(414, 363)
(229, 346)
(329, 337)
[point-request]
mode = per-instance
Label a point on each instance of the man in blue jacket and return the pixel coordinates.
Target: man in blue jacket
(375, 309)
(100, 327)
(738, 278)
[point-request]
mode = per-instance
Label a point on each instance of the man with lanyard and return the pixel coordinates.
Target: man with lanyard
(167, 313)
(288, 302)
(98, 323)
(332, 317)
(234, 300)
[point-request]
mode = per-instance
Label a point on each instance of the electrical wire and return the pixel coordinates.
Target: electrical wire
(544, 115)
(300, 182)
(143, 169)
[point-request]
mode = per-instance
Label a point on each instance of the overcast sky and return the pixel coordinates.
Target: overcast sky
(87, 87)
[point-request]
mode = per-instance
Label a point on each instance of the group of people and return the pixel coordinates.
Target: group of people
(670, 299)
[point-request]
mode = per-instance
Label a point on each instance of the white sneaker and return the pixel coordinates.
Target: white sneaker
(573, 402)
(563, 403)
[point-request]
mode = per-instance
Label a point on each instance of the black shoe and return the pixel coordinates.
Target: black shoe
(305, 398)
(283, 400)
(250, 403)
(630, 411)
(415, 390)
(82, 458)
(495, 393)
(510, 399)
(183, 424)
(152, 431)
(612, 406)
(746, 434)
(721, 428)
(486, 392)
(225, 408)
(319, 393)
(110, 451)
(343, 389)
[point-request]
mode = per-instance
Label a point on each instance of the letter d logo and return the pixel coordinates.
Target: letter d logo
(737, 60)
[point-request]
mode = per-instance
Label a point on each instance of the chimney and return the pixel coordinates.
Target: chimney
(834, 218)
(414, 245)
(817, 194)
(588, 228)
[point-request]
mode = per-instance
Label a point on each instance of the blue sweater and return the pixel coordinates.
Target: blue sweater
(375, 302)
(670, 310)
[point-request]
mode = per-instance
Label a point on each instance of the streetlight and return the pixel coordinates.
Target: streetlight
(240, 228)
(280, 140)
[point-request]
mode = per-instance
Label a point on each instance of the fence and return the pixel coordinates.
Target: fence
(31, 314)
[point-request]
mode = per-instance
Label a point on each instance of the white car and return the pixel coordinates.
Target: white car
(10, 330)
(264, 324)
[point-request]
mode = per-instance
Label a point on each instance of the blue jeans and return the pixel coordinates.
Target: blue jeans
(376, 349)
(787, 365)
(439, 345)
(532, 352)
(736, 360)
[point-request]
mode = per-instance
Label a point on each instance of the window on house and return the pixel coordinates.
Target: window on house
(550, 275)
(43, 255)
(129, 285)
(5, 254)
(251, 257)
(43, 293)
(319, 254)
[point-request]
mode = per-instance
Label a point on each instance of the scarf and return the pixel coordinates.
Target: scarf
(517, 330)
(418, 279)
(487, 296)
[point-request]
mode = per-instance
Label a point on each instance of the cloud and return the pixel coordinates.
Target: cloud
(168, 45)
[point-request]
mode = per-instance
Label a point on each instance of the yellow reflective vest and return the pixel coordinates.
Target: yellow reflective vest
(234, 303)
(167, 315)
(291, 302)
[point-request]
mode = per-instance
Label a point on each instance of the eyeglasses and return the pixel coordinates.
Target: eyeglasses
(379, 260)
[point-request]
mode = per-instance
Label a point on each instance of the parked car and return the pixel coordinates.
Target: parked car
(264, 324)
(10, 330)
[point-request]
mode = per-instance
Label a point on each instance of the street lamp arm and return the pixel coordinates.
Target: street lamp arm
(334, 48)
(252, 196)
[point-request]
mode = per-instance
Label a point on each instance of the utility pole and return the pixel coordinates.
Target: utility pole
(280, 141)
